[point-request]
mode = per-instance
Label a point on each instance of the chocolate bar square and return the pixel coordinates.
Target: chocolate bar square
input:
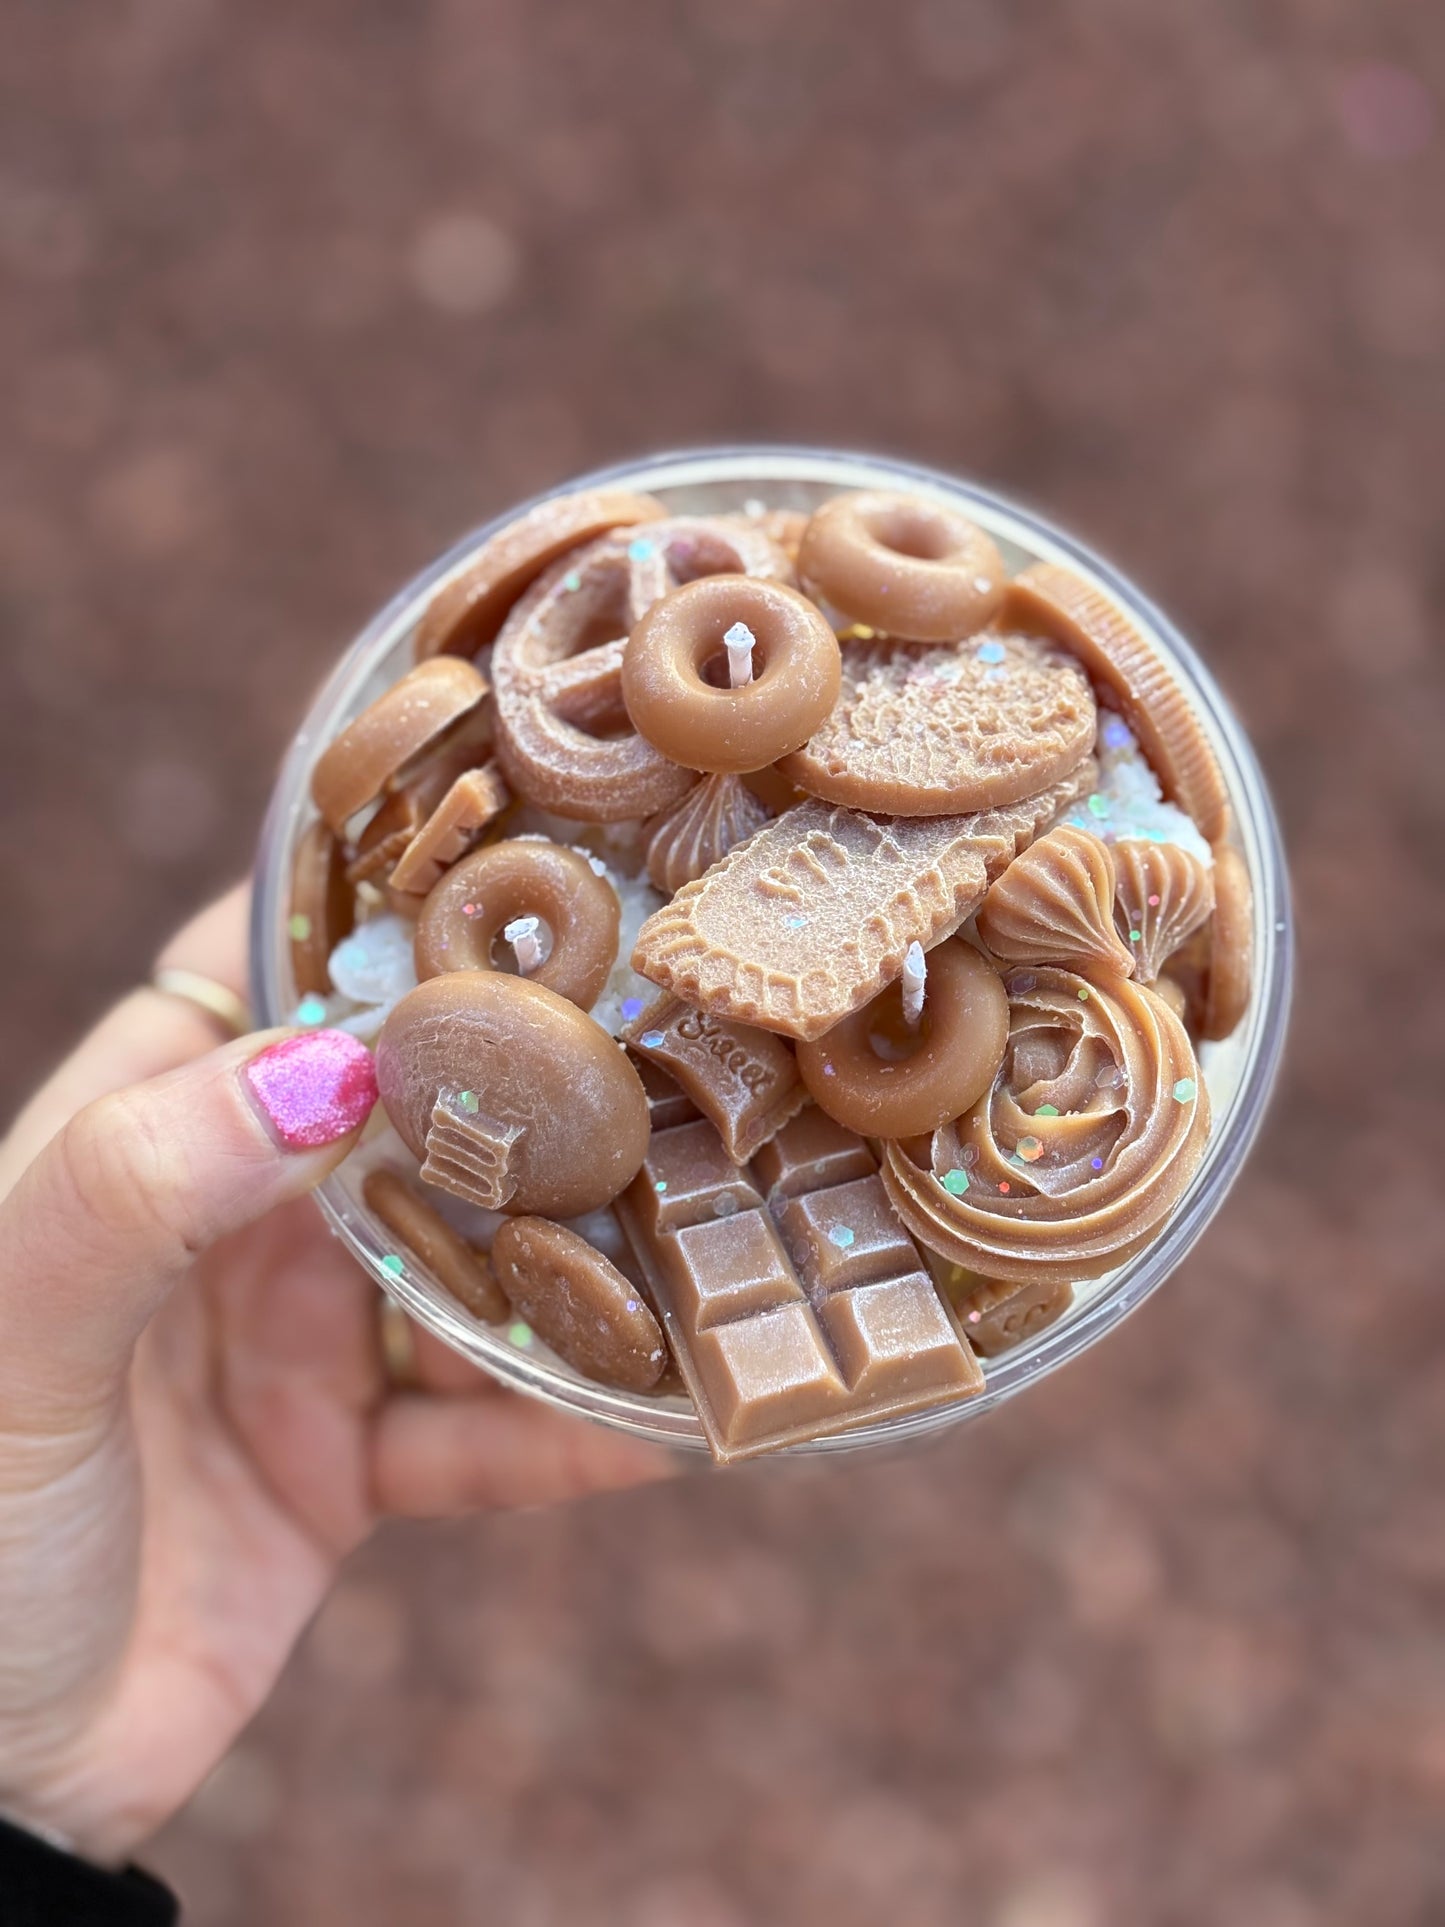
(896, 1343)
(808, 1153)
(845, 1236)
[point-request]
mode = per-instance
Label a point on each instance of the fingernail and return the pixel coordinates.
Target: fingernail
(314, 1088)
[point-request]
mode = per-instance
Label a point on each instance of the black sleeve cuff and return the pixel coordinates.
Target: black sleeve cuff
(40, 1886)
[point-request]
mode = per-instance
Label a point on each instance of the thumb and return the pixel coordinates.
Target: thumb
(118, 1204)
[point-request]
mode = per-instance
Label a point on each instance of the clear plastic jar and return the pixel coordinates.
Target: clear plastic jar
(1239, 1071)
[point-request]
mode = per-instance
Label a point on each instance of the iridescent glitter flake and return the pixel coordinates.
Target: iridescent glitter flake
(955, 1183)
(1047, 1110)
(470, 1103)
(1029, 1149)
(631, 1009)
(659, 1185)
(392, 1265)
(1096, 1164)
(794, 923)
(1186, 1090)
(572, 582)
(1098, 804)
(519, 1335)
(652, 1040)
(311, 1011)
(840, 1235)
(991, 652)
(299, 927)
(641, 550)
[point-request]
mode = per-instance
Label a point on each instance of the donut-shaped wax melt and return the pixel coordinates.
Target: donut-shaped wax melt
(676, 673)
(466, 913)
(884, 1078)
(902, 564)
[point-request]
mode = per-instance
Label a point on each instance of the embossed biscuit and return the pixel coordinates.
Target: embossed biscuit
(812, 916)
(744, 1080)
(920, 731)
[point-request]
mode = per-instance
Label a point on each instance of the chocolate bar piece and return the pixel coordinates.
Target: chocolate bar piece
(745, 1081)
(800, 1316)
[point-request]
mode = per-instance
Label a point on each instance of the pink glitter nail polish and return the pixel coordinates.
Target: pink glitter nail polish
(314, 1088)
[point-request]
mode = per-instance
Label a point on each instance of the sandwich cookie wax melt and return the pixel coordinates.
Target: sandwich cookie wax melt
(821, 935)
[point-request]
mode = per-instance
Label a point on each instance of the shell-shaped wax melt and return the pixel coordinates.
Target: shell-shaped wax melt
(685, 841)
(1163, 895)
(1054, 904)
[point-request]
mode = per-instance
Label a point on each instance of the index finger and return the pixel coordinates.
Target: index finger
(145, 1034)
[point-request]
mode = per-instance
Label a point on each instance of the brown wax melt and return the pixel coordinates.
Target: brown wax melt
(935, 731)
(564, 737)
(579, 1303)
(675, 675)
(996, 1316)
(1055, 904)
(427, 1235)
(745, 1081)
(410, 804)
(1231, 946)
(1093, 1128)
(914, 568)
(403, 722)
(323, 908)
(510, 1096)
(1054, 601)
(667, 1102)
(1162, 895)
(466, 614)
(880, 1076)
(685, 548)
(462, 816)
(465, 915)
(683, 843)
(778, 1346)
(812, 916)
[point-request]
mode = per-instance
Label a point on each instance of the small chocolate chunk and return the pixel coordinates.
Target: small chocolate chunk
(746, 1081)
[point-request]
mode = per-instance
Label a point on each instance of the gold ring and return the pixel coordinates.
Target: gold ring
(398, 1343)
(217, 1001)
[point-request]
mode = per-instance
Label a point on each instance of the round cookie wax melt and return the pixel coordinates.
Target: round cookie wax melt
(884, 1077)
(778, 665)
(510, 1096)
(426, 1234)
(479, 898)
(579, 1303)
(939, 731)
(905, 565)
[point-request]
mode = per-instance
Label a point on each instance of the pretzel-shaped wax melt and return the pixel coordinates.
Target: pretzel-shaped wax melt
(1094, 1127)
(477, 899)
(466, 614)
(381, 744)
(563, 736)
(905, 565)
(791, 679)
(883, 1078)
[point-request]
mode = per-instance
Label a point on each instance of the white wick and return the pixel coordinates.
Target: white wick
(915, 977)
(521, 934)
(741, 643)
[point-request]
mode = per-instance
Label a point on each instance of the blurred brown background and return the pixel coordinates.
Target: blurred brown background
(299, 289)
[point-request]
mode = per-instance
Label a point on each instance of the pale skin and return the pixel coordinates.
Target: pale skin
(196, 1426)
